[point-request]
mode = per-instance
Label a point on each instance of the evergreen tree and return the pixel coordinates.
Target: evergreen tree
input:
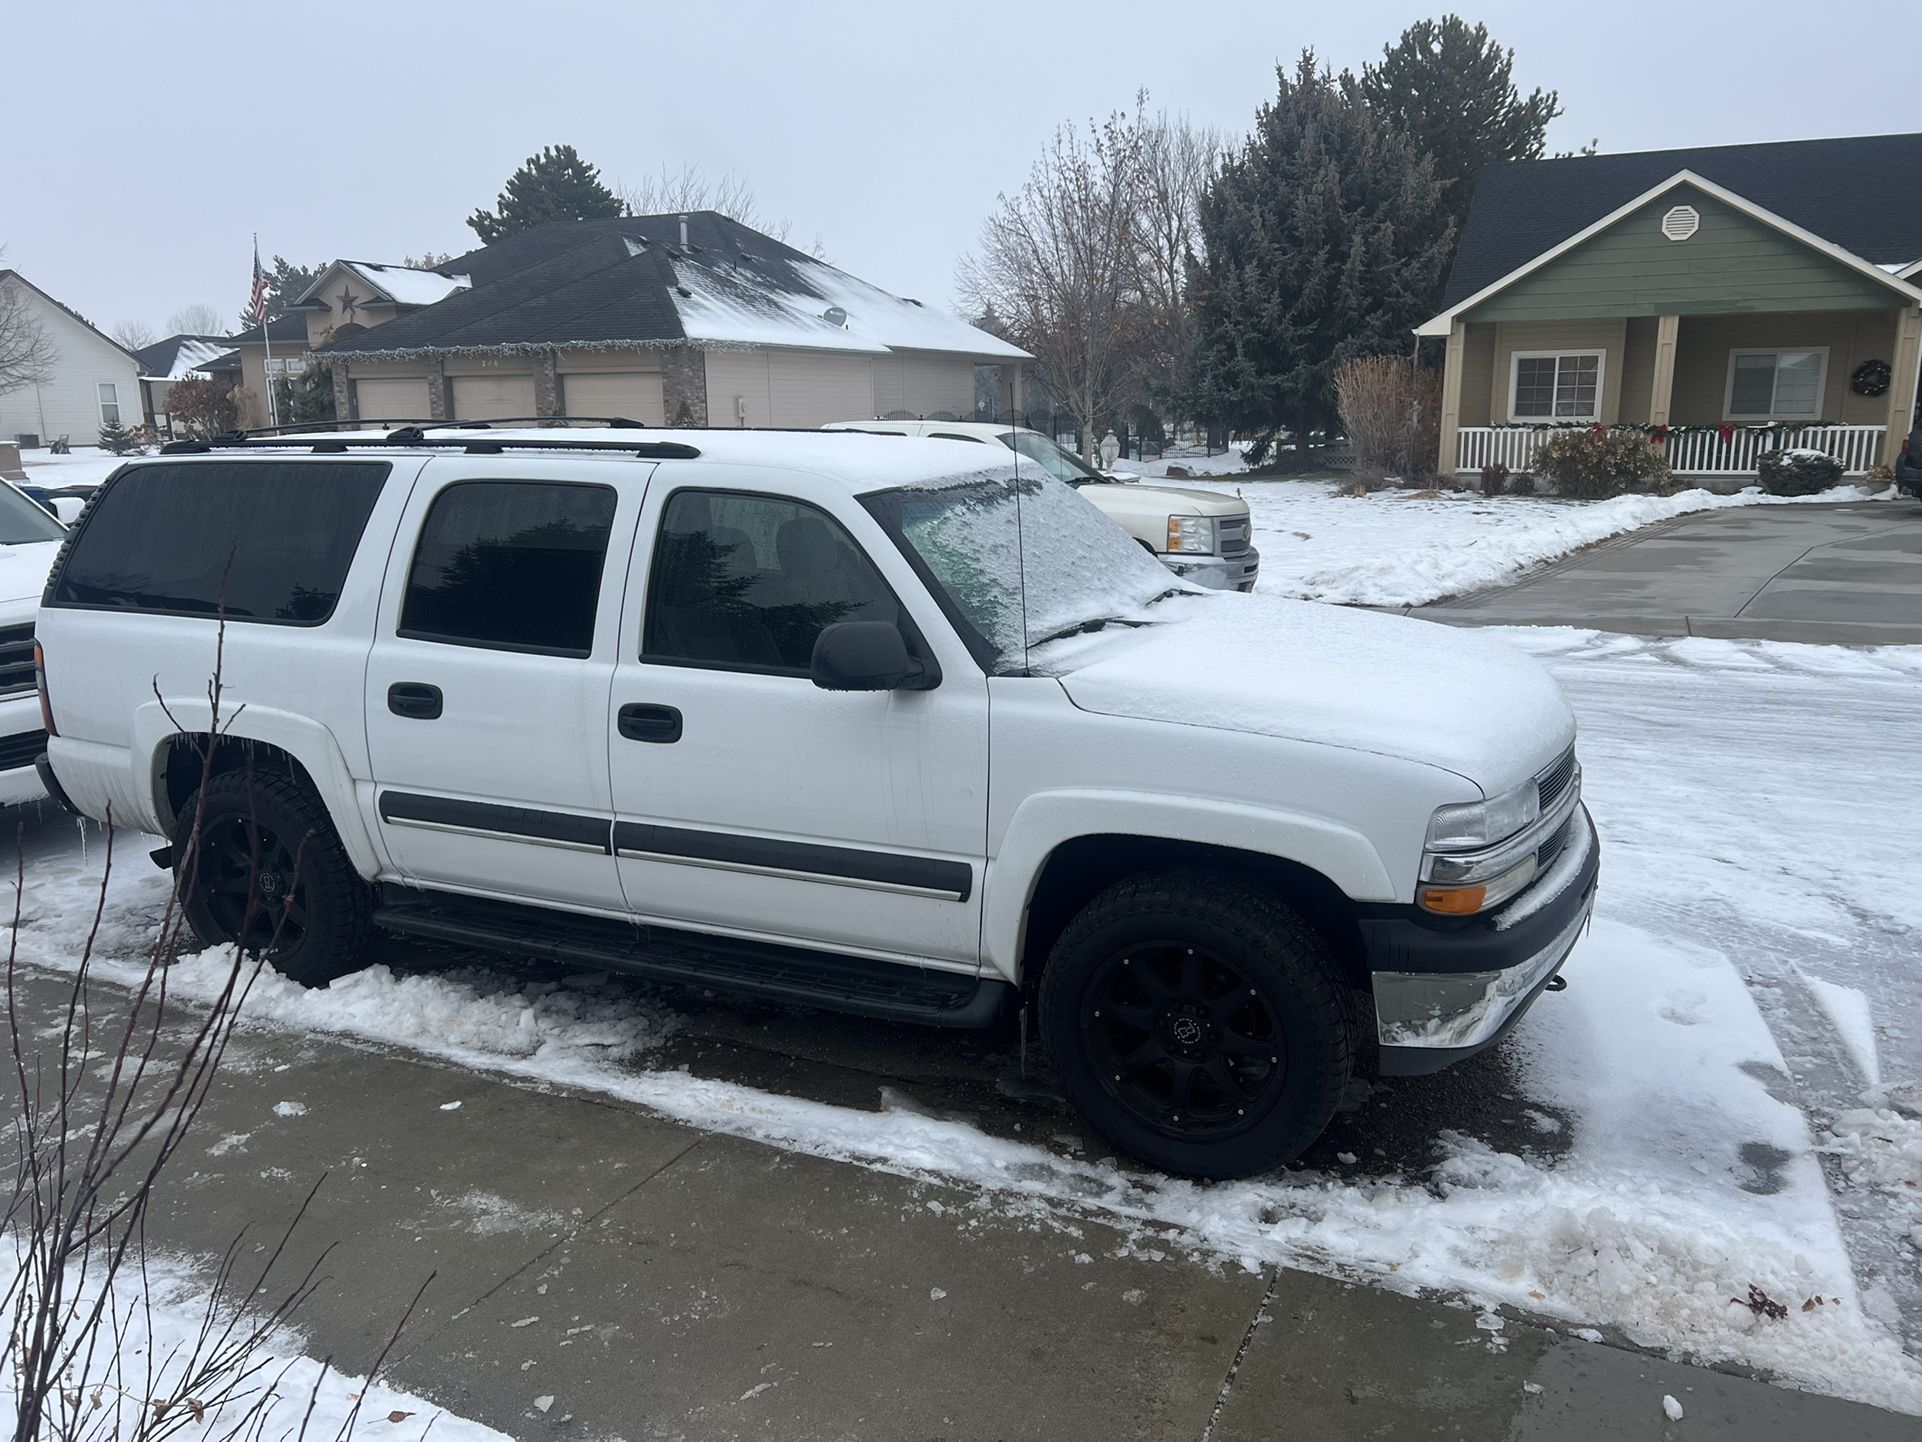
(1451, 89)
(1323, 238)
(554, 185)
(120, 440)
(306, 396)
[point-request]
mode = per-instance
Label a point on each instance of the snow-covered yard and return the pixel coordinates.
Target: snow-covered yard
(1716, 1082)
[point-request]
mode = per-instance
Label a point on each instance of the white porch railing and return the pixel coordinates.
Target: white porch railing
(1691, 452)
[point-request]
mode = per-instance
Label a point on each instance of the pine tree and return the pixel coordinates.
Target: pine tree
(285, 282)
(554, 185)
(1451, 89)
(119, 440)
(1324, 238)
(307, 396)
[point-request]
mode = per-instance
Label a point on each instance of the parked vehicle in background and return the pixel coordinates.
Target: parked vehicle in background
(1908, 464)
(713, 707)
(1201, 536)
(30, 538)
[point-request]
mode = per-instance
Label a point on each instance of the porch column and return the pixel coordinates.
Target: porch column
(437, 407)
(1451, 400)
(343, 393)
(1660, 395)
(1904, 365)
(547, 385)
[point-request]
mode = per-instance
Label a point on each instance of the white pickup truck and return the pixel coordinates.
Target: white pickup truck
(29, 540)
(842, 720)
(1202, 536)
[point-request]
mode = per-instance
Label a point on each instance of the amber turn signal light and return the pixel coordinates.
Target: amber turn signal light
(1452, 900)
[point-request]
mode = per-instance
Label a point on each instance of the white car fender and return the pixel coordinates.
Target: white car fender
(301, 737)
(1045, 821)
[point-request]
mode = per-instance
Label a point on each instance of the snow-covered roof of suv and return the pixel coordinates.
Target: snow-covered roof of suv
(862, 461)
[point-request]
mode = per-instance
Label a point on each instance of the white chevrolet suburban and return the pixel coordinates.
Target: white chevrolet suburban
(844, 720)
(1202, 536)
(29, 540)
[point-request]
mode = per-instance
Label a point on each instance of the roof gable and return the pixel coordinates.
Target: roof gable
(73, 315)
(1847, 191)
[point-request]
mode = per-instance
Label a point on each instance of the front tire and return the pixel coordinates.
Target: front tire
(1199, 1023)
(269, 873)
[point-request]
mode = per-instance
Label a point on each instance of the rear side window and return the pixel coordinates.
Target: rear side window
(264, 541)
(510, 565)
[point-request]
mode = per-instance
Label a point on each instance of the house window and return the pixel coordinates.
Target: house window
(1776, 385)
(109, 404)
(1555, 386)
(279, 366)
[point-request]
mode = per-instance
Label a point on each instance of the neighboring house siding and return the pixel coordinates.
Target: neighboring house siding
(1478, 375)
(1731, 264)
(68, 403)
(923, 383)
(1703, 343)
(1606, 336)
(811, 390)
(1638, 370)
(737, 388)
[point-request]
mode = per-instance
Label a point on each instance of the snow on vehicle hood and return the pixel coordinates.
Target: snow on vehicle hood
(23, 570)
(1173, 499)
(1312, 672)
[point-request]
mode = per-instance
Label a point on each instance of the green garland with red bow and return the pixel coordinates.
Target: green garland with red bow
(1659, 434)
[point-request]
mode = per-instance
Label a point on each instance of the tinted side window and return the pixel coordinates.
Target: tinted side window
(512, 565)
(274, 538)
(744, 582)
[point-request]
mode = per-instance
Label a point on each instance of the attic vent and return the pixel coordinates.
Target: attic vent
(1681, 222)
(835, 316)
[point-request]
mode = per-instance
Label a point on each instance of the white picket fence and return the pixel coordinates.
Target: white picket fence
(1690, 452)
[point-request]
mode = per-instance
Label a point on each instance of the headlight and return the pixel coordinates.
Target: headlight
(1483, 823)
(1466, 900)
(1192, 533)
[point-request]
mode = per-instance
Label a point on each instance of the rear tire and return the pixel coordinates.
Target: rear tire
(263, 836)
(1199, 1023)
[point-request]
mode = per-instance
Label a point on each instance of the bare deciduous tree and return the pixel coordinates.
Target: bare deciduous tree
(1177, 162)
(133, 334)
(196, 319)
(27, 352)
(1058, 265)
(692, 188)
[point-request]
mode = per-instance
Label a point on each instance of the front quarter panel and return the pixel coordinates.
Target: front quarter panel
(1058, 773)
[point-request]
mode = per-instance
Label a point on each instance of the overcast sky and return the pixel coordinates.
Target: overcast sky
(148, 141)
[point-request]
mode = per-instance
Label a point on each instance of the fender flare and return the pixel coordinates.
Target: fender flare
(301, 737)
(1045, 822)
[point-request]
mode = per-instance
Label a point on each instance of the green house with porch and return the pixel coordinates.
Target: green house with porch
(1723, 302)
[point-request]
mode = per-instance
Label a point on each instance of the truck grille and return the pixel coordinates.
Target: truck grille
(1233, 533)
(1553, 847)
(16, 660)
(21, 750)
(1553, 782)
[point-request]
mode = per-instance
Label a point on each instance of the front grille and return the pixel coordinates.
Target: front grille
(16, 660)
(1553, 847)
(1233, 535)
(1553, 782)
(21, 750)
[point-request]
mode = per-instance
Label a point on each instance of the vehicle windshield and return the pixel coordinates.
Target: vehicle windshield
(998, 550)
(1057, 460)
(22, 520)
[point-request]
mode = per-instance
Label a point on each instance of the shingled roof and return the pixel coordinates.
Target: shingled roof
(629, 280)
(1860, 192)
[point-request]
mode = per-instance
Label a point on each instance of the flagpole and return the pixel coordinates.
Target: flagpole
(273, 407)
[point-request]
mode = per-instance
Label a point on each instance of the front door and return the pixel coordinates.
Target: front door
(487, 688)
(747, 800)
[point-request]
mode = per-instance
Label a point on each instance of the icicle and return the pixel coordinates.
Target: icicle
(81, 822)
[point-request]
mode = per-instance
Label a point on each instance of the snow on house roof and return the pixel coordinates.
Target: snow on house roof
(179, 356)
(406, 284)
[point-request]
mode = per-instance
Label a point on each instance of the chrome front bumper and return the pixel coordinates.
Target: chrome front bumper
(1217, 573)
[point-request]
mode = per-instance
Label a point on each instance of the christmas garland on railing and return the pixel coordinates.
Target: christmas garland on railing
(1659, 434)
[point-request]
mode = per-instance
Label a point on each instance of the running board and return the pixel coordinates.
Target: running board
(789, 975)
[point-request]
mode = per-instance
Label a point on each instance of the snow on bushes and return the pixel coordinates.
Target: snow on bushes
(1797, 472)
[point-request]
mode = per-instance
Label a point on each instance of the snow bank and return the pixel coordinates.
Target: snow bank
(161, 1322)
(1401, 548)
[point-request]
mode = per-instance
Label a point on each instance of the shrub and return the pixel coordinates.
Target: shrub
(1797, 472)
(1391, 413)
(1584, 465)
(1881, 474)
(1494, 478)
(1521, 484)
(202, 407)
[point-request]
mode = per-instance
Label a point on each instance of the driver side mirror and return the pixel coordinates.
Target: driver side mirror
(868, 656)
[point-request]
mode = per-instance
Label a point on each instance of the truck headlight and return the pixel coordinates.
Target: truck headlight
(1192, 534)
(1475, 824)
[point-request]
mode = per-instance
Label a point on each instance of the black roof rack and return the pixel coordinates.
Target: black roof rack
(417, 435)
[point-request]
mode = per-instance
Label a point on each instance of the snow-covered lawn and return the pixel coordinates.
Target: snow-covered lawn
(1408, 548)
(85, 466)
(1750, 971)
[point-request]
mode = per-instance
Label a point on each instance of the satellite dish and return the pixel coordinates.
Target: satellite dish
(835, 316)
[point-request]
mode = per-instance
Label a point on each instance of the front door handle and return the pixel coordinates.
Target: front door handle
(640, 722)
(414, 699)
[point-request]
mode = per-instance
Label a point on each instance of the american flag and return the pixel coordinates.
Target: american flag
(260, 287)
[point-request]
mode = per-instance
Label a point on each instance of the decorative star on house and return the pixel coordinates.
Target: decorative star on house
(347, 301)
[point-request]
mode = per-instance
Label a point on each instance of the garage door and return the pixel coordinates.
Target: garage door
(811, 390)
(391, 400)
(491, 397)
(635, 395)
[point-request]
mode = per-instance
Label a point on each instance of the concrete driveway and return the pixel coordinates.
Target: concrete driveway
(1848, 574)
